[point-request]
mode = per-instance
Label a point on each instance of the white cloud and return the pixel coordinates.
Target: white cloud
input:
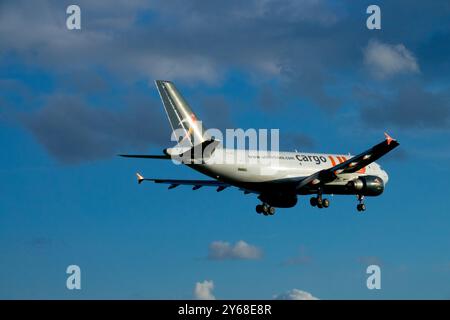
(295, 294)
(385, 60)
(203, 290)
(221, 250)
(189, 51)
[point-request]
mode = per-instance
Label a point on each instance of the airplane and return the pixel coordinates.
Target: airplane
(296, 174)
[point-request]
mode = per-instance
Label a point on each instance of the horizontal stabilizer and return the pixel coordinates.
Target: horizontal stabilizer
(146, 156)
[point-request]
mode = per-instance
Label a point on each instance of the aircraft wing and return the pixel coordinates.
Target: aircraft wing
(351, 165)
(197, 184)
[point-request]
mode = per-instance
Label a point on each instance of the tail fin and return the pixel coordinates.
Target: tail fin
(187, 129)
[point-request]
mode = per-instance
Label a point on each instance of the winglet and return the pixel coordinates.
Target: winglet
(389, 139)
(139, 178)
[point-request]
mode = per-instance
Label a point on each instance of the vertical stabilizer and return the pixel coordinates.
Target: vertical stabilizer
(187, 129)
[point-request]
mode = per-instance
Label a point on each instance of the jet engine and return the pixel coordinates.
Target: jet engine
(367, 185)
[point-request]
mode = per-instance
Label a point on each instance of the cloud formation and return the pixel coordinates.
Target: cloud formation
(411, 107)
(295, 53)
(295, 294)
(72, 131)
(386, 60)
(241, 250)
(203, 290)
(202, 43)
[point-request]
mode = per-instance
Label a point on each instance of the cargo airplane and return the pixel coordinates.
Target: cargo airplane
(294, 175)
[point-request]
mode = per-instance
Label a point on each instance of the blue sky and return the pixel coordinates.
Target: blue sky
(71, 100)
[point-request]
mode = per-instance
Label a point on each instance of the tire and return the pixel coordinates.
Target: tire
(363, 207)
(271, 211)
(320, 205)
(326, 203)
(259, 209)
(313, 201)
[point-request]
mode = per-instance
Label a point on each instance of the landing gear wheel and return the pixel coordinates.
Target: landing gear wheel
(271, 211)
(361, 206)
(326, 203)
(319, 202)
(259, 209)
(265, 209)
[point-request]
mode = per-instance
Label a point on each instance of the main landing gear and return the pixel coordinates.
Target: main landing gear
(265, 209)
(361, 206)
(319, 202)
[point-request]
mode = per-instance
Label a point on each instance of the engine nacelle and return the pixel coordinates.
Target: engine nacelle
(279, 200)
(367, 185)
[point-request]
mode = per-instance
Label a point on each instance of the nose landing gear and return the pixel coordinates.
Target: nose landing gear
(361, 206)
(265, 209)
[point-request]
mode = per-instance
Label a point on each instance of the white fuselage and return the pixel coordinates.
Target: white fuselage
(248, 166)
